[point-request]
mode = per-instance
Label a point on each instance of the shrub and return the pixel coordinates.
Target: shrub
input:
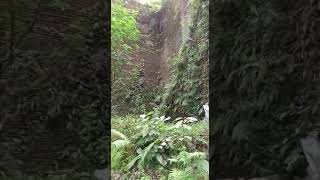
(138, 143)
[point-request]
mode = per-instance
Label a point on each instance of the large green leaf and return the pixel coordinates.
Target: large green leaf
(161, 160)
(145, 154)
(133, 162)
(145, 130)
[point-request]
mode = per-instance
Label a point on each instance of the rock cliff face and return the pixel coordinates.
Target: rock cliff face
(174, 26)
(163, 32)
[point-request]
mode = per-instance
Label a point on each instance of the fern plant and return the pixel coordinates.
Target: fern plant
(151, 144)
(190, 166)
(120, 150)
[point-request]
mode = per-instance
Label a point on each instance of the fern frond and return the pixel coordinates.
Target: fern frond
(121, 135)
(120, 143)
(202, 164)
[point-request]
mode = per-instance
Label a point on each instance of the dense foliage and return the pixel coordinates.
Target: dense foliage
(54, 84)
(264, 80)
(127, 90)
(149, 147)
(152, 146)
(188, 88)
(123, 32)
(130, 95)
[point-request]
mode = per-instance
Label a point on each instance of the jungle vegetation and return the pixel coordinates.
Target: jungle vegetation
(154, 138)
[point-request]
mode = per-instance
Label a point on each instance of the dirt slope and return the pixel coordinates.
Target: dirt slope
(162, 34)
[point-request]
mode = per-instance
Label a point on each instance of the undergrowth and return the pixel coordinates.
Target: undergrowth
(148, 146)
